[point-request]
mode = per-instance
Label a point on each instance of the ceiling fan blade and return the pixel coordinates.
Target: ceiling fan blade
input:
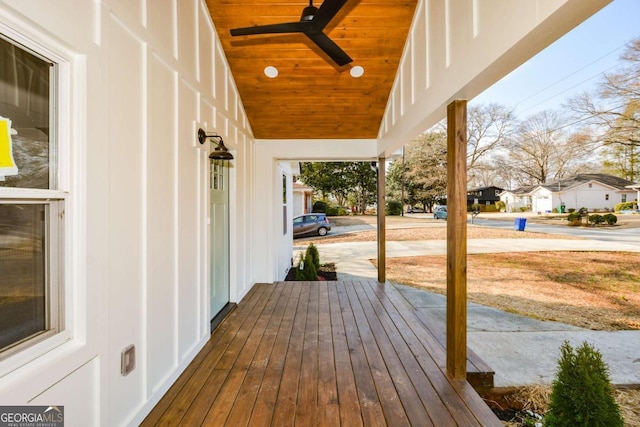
(326, 12)
(287, 27)
(334, 51)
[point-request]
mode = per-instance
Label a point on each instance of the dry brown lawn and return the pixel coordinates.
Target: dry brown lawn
(594, 290)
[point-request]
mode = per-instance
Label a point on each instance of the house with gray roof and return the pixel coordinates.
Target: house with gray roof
(594, 191)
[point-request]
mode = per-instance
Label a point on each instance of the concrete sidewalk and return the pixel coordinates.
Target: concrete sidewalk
(521, 350)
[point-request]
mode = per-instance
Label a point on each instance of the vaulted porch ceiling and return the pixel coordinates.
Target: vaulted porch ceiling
(312, 97)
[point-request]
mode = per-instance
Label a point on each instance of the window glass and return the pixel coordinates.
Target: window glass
(22, 282)
(31, 227)
(24, 106)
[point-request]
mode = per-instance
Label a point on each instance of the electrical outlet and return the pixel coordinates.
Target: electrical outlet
(128, 360)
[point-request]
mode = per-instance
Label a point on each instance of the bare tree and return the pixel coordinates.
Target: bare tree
(542, 149)
(489, 128)
(614, 114)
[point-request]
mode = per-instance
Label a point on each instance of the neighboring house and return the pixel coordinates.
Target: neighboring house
(596, 192)
(302, 199)
(484, 195)
(635, 187)
(518, 199)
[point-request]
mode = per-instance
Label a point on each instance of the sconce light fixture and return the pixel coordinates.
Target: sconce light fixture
(220, 152)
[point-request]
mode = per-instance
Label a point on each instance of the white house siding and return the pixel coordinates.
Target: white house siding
(542, 200)
(594, 197)
(145, 74)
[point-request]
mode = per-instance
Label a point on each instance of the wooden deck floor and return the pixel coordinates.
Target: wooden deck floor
(321, 353)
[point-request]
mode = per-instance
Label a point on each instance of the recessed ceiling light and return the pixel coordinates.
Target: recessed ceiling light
(271, 72)
(356, 71)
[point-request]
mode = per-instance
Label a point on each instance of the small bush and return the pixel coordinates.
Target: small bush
(610, 219)
(596, 219)
(313, 252)
(581, 394)
(571, 210)
(625, 206)
(524, 208)
(574, 218)
(501, 206)
(335, 211)
(320, 206)
(394, 207)
(306, 269)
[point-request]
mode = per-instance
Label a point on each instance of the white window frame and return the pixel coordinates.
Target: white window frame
(60, 206)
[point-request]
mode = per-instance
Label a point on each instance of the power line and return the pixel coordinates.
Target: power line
(573, 74)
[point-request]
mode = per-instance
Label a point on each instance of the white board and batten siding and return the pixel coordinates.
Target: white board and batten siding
(143, 75)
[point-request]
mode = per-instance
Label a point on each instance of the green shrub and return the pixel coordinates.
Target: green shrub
(581, 394)
(335, 211)
(313, 252)
(571, 210)
(306, 270)
(320, 206)
(610, 219)
(394, 207)
(524, 208)
(595, 219)
(574, 218)
(500, 205)
(625, 206)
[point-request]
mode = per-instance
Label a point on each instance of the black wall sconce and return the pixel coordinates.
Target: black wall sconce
(220, 152)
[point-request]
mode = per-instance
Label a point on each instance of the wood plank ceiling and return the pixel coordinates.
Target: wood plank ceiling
(312, 97)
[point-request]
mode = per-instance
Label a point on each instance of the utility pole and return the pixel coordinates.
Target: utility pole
(402, 196)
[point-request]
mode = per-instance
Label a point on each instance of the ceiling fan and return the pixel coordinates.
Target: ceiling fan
(311, 24)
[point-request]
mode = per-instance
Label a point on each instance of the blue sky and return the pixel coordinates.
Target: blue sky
(571, 65)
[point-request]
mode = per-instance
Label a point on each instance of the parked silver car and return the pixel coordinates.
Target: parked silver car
(311, 224)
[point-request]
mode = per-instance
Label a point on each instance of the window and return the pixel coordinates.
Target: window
(32, 205)
(624, 198)
(285, 219)
(217, 175)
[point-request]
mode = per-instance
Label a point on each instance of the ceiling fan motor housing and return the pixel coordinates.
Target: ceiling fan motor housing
(308, 13)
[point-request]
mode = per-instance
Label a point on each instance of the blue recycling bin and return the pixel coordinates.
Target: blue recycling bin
(519, 224)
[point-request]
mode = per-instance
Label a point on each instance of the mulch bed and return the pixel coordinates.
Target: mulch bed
(327, 272)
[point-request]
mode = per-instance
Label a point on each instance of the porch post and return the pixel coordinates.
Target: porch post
(382, 239)
(457, 239)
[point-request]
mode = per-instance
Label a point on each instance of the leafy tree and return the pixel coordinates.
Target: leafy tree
(425, 170)
(354, 181)
(327, 178)
(362, 182)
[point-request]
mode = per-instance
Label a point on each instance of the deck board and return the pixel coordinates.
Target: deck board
(321, 353)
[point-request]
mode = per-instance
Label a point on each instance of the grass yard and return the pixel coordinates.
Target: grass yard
(595, 290)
